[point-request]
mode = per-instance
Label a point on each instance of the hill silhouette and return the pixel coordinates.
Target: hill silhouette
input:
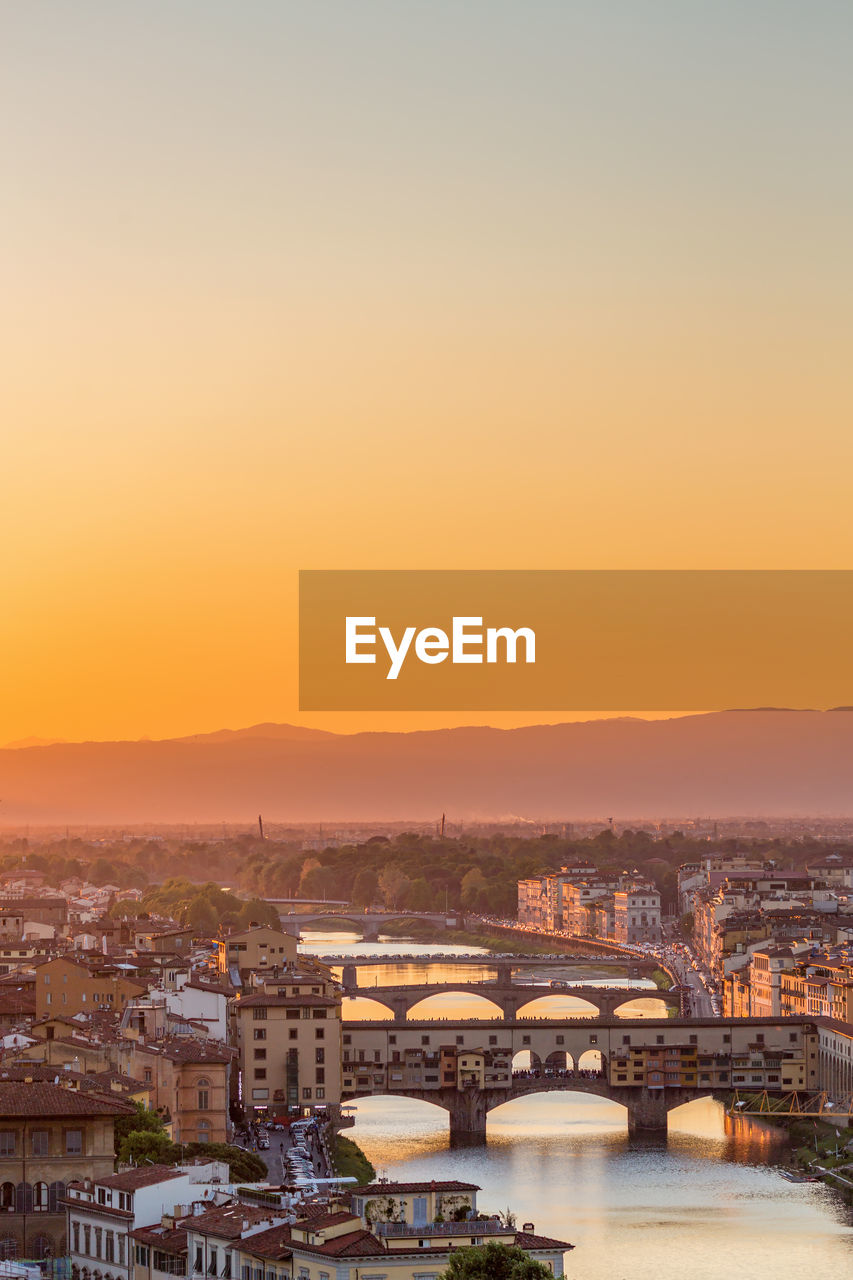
(761, 762)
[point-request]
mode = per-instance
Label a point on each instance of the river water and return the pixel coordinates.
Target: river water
(707, 1205)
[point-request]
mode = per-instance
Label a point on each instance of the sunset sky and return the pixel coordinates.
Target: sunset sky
(400, 285)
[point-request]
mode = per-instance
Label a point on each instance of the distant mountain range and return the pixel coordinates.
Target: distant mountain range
(760, 763)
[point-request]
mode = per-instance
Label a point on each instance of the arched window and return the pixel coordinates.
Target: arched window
(40, 1197)
(203, 1095)
(7, 1195)
(42, 1247)
(8, 1247)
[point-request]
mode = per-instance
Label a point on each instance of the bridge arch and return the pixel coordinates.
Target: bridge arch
(364, 1008)
(446, 1001)
(558, 1005)
(635, 1006)
(526, 1060)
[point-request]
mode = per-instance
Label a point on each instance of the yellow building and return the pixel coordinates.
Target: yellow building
(290, 1049)
(65, 986)
(261, 948)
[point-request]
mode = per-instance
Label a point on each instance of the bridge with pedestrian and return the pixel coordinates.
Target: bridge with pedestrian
(504, 965)
(649, 1066)
(512, 998)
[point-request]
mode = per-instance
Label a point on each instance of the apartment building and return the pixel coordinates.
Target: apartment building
(190, 1080)
(251, 950)
(69, 986)
(636, 914)
(289, 1043)
(49, 1136)
(102, 1213)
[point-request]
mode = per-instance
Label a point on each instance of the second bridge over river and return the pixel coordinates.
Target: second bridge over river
(512, 998)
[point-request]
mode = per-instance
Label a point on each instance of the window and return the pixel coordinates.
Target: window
(260, 1055)
(424, 1039)
(659, 1039)
(319, 1033)
(74, 1142)
(320, 1093)
(460, 1039)
(293, 1034)
(40, 1142)
(306, 1094)
(147, 1075)
(494, 1039)
(7, 1195)
(320, 1075)
(260, 1073)
(259, 1033)
(75, 1232)
(7, 1143)
(110, 1247)
(259, 1015)
(319, 1056)
(203, 1087)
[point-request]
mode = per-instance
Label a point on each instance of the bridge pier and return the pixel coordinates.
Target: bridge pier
(401, 1008)
(647, 1112)
(468, 1118)
(349, 977)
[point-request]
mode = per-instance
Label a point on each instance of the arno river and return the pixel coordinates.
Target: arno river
(706, 1206)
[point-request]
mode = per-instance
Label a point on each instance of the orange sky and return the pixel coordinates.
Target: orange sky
(501, 286)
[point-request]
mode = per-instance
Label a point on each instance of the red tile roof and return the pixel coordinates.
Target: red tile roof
(41, 1099)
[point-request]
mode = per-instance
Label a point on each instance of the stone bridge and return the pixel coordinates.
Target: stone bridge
(503, 965)
(368, 923)
(468, 1108)
(404, 1059)
(511, 998)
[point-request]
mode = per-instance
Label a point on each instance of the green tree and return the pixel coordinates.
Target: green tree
(140, 1121)
(393, 884)
(365, 888)
(494, 1261)
(140, 1146)
(474, 883)
(202, 916)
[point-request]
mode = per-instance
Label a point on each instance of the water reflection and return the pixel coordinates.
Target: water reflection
(706, 1202)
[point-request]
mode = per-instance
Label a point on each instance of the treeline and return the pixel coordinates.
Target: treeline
(410, 872)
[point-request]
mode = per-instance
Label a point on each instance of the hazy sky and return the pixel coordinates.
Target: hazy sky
(339, 285)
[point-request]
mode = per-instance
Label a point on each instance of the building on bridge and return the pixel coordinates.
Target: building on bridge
(649, 1066)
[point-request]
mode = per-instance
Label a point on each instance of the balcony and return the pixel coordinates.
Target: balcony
(401, 1230)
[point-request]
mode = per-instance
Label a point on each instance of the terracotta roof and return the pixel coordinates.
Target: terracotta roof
(182, 1049)
(527, 1240)
(145, 1176)
(169, 1239)
(227, 1220)
(40, 1099)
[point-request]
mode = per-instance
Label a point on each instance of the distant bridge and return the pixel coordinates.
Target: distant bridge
(405, 1059)
(634, 967)
(511, 998)
(368, 923)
